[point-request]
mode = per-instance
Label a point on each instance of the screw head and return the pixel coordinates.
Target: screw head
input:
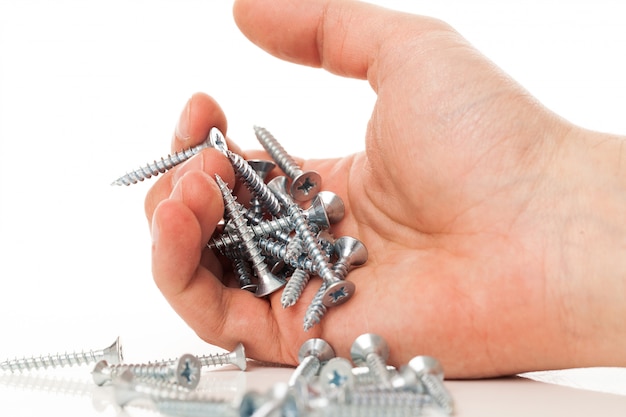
(306, 186)
(188, 371)
(338, 293)
(367, 344)
(101, 373)
(319, 348)
(113, 354)
(423, 365)
(261, 166)
(217, 140)
(335, 208)
(336, 378)
(352, 250)
(267, 283)
(238, 357)
(316, 213)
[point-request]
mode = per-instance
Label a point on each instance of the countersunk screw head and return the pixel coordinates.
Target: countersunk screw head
(101, 373)
(305, 186)
(113, 354)
(238, 357)
(188, 371)
(336, 378)
(351, 251)
(217, 140)
(338, 293)
(335, 208)
(368, 344)
(318, 348)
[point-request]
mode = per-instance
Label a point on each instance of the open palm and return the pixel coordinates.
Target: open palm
(458, 199)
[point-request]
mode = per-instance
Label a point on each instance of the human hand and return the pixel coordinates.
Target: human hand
(494, 228)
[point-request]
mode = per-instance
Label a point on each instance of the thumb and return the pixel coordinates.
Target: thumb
(343, 37)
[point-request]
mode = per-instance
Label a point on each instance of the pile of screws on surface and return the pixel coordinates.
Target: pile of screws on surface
(274, 242)
(321, 385)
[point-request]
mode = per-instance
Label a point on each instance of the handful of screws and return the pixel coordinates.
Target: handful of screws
(321, 385)
(275, 242)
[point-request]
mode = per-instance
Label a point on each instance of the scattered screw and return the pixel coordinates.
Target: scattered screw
(429, 370)
(371, 350)
(185, 371)
(112, 354)
(236, 357)
(312, 355)
(352, 253)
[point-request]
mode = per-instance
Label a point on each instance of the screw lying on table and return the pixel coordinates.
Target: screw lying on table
(305, 184)
(312, 355)
(185, 371)
(165, 164)
(371, 350)
(236, 357)
(112, 354)
(430, 372)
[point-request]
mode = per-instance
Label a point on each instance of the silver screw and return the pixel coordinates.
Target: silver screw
(185, 371)
(262, 167)
(316, 309)
(236, 357)
(351, 253)
(312, 355)
(170, 400)
(371, 350)
(305, 184)
(336, 377)
(267, 282)
(335, 208)
(294, 287)
(112, 354)
(430, 372)
(342, 290)
(165, 164)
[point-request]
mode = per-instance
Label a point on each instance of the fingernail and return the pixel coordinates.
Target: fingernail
(182, 127)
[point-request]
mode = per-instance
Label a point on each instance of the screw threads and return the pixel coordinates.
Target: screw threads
(215, 360)
(277, 152)
(316, 309)
(57, 360)
(311, 244)
(246, 235)
(387, 398)
(159, 166)
(294, 287)
(255, 183)
(306, 370)
(378, 367)
(441, 396)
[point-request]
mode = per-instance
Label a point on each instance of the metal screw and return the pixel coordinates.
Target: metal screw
(185, 371)
(351, 253)
(236, 357)
(335, 208)
(371, 350)
(429, 370)
(267, 282)
(336, 378)
(312, 355)
(170, 400)
(305, 184)
(342, 292)
(165, 164)
(112, 354)
(262, 167)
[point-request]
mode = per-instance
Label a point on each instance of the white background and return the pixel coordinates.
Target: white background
(92, 89)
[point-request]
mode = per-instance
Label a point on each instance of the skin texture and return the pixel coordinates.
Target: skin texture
(495, 229)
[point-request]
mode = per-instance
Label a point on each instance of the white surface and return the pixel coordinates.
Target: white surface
(91, 89)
